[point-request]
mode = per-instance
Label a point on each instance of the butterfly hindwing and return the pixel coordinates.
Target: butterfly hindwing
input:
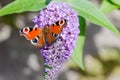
(38, 41)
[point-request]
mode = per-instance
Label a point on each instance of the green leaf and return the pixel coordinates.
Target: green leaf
(90, 12)
(107, 6)
(78, 52)
(117, 2)
(22, 5)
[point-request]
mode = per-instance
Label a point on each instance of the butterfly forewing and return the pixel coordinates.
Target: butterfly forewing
(35, 35)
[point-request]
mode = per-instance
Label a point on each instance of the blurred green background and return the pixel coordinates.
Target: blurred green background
(19, 60)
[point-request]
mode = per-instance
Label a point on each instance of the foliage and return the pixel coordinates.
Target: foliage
(85, 9)
(109, 5)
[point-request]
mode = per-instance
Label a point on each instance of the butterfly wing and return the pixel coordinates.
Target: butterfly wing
(35, 35)
(39, 37)
(38, 41)
(53, 31)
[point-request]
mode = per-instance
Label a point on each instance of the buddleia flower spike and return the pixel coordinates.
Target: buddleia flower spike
(61, 49)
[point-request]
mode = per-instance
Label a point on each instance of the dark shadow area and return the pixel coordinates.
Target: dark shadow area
(90, 46)
(5, 2)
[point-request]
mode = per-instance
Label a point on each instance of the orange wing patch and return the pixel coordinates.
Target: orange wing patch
(53, 31)
(39, 37)
(32, 34)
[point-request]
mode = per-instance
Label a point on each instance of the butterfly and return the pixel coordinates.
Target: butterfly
(41, 36)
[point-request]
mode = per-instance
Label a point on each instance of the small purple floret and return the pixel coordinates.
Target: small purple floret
(61, 50)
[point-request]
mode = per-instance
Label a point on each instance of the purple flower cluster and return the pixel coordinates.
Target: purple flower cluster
(61, 50)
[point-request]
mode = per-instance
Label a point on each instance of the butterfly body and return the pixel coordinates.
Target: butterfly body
(41, 36)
